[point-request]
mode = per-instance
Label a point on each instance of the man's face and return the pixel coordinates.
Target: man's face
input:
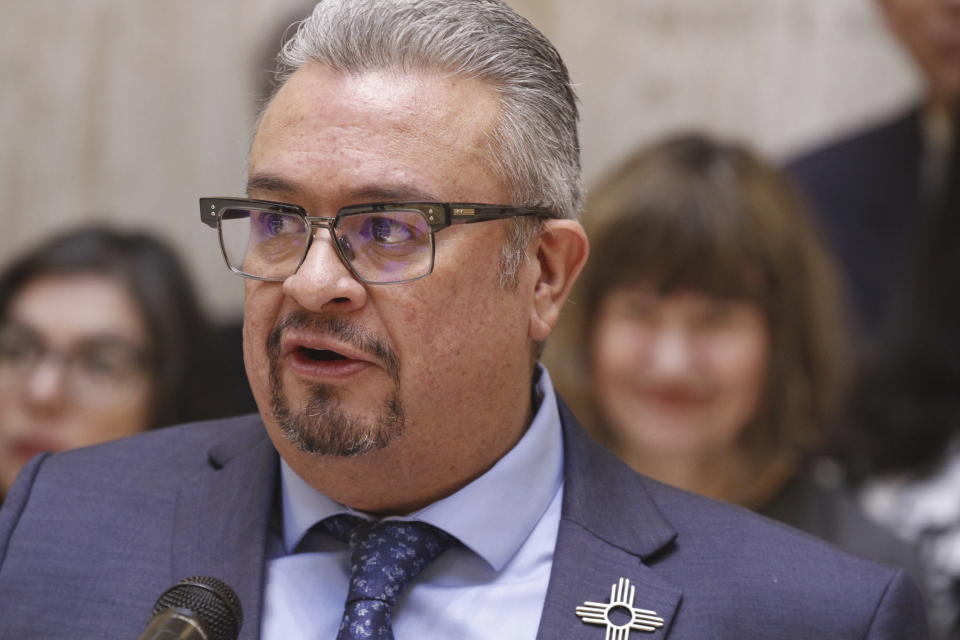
(930, 30)
(342, 368)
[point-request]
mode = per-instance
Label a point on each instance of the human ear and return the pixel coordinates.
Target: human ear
(561, 252)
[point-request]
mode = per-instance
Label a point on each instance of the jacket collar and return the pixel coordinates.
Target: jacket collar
(605, 497)
(610, 528)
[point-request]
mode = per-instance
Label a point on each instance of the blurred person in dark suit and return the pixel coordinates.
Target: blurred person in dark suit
(101, 336)
(705, 342)
(901, 429)
(868, 189)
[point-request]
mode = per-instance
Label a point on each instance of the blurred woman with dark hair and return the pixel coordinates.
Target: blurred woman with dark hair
(101, 336)
(902, 436)
(705, 344)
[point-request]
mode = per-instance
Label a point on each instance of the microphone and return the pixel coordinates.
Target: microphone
(197, 608)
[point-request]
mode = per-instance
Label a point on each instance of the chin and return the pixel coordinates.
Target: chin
(667, 432)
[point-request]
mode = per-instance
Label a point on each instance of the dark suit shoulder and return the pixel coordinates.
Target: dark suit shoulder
(739, 533)
(865, 149)
(816, 501)
(126, 480)
(98, 525)
(168, 451)
(733, 572)
(863, 192)
(724, 555)
(668, 527)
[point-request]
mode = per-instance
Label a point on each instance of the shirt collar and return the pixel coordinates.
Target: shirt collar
(491, 516)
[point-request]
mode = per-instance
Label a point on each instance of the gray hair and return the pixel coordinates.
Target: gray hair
(533, 148)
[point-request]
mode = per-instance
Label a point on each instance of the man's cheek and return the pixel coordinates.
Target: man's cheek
(260, 316)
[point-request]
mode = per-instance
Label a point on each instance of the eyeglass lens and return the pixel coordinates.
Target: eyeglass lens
(381, 246)
(96, 369)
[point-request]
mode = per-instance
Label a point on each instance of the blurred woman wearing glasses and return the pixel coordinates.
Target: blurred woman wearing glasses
(101, 337)
(704, 344)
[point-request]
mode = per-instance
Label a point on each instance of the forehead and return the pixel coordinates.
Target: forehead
(348, 137)
(66, 308)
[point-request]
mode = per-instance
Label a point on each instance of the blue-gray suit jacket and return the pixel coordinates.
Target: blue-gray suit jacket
(90, 538)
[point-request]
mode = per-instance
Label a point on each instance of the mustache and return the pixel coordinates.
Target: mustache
(340, 328)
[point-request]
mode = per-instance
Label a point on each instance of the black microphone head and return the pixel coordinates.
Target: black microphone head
(210, 600)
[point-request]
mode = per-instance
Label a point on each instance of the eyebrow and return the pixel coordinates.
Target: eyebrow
(275, 184)
(396, 193)
(270, 182)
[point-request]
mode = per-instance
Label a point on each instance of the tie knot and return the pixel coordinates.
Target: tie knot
(386, 555)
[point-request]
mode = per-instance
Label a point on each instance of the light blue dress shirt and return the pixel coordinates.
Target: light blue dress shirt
(493, 584)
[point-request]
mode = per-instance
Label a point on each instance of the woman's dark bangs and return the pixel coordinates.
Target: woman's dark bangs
(681, 249)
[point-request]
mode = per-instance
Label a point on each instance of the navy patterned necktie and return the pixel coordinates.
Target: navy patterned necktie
(385, 557)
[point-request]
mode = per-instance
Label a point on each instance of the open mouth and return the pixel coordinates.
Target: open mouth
(320, 355)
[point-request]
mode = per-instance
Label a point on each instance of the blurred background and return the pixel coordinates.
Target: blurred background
(122, 113)
(126, 111)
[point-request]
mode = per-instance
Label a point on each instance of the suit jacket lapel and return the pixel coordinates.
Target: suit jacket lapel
(610, 528)
(222, 518)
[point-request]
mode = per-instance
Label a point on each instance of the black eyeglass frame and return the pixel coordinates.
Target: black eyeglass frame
(439, 216)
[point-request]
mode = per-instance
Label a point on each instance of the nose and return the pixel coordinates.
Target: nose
(323, 282)
(45, 386)
(671, 353)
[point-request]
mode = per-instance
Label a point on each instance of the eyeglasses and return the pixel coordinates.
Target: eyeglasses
(96, 370)
(384, 243)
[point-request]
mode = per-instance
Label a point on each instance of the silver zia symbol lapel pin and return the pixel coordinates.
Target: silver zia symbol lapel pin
(620, 616)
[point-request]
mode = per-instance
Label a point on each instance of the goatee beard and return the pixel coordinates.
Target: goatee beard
(322, 427)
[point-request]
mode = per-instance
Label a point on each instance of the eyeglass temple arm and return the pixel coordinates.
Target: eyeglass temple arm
(467, 213)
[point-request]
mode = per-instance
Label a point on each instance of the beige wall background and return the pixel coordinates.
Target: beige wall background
(129, 110)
